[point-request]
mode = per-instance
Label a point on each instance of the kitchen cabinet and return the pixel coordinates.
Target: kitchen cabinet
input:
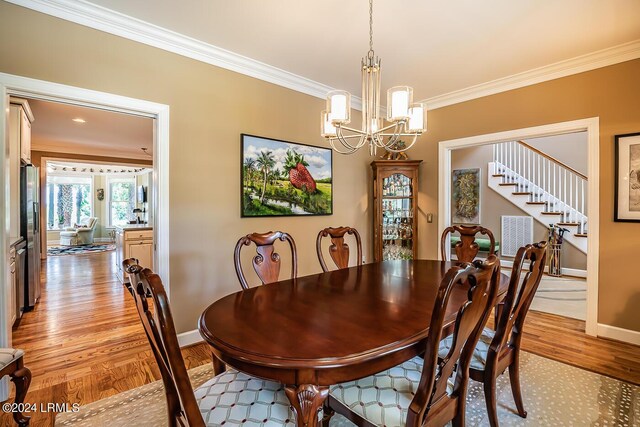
(134, 241)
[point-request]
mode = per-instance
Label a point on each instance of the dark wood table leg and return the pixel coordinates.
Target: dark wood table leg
(307, 401)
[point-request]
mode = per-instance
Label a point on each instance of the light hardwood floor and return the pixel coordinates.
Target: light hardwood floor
(84, 341)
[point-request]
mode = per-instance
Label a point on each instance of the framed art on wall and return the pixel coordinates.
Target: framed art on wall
(465, 196)
(281, 178)
(627, 190)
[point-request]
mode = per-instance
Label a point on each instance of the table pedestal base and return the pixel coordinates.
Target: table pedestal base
(307, 401)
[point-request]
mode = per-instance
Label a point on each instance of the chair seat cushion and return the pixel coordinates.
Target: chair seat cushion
(479, 359)
(233, 398)
(68, 234)
(384, 398)
(8, 355)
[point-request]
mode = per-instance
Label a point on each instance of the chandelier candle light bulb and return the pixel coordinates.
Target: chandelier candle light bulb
(406, 119)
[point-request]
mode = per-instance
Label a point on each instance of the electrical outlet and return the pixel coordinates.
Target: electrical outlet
(429, 217)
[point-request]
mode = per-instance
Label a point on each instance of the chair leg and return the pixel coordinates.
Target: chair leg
(459, 419)
(21, 378)
(490, 397)
(218, 366)
(514, 377)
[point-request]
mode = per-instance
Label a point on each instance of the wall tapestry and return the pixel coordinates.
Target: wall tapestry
(465, 199)
(281, 178)
(627, 191)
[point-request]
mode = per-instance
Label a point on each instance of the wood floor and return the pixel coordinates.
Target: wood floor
(84, 341)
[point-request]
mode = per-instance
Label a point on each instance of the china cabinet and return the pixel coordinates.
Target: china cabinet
(395, 197)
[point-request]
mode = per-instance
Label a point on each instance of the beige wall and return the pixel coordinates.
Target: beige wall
(210, 107)
(609, 93)
(493, 205)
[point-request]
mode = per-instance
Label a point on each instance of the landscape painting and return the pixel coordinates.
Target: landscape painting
(281, 178)
(465, 200)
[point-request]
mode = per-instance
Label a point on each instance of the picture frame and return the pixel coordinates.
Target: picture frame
(284, 178)
(465, 196)
(627, 178)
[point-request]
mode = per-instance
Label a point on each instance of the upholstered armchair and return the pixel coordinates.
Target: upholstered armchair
(82, 234)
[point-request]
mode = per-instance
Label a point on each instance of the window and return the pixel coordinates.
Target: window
(122, 200)
(69, 201)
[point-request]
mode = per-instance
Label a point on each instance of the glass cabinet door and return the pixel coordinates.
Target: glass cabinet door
(397, 217)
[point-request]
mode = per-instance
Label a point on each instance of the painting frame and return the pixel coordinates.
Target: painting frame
(474, 178)
(626, 206)
(312, 203)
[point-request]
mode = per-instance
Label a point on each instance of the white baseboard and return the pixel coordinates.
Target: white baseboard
(619, 334)
(573, 272)
(53, 242)
(189, 338)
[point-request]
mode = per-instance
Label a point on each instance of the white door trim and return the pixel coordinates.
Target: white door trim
(23, 86)
(592, 126)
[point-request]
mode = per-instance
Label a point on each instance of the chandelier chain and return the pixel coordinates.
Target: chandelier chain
(370, 27)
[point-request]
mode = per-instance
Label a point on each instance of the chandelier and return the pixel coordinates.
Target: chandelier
(404, 117)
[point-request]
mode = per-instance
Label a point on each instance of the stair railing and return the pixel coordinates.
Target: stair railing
(558, 185)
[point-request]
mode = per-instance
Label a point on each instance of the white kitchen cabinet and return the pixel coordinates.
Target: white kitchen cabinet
(134, 241)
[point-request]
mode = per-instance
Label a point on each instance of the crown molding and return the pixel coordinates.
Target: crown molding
(580, 64)
(100, 18)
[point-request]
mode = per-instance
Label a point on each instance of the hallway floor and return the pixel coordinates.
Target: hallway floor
(564, 296)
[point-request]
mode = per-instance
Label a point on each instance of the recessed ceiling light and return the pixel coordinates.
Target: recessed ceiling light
(79, 120)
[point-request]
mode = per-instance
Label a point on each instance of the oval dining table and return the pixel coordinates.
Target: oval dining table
(315, 331)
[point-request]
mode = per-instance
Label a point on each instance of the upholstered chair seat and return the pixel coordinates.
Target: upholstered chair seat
(82, 234)
(479, 359)
(8, 355)
(383, 399)
(235, 398)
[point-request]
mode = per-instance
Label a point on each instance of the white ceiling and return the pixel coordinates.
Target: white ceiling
(105, 133)
(434, 46)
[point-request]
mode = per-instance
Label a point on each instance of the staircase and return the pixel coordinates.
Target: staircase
(545, 188)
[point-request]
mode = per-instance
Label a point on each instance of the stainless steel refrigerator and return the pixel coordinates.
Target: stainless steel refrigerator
(30, 231)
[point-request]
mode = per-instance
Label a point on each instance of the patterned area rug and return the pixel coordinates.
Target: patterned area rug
(555, 394)
(78, 250)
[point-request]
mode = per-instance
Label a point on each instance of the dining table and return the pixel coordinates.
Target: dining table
(311, 332)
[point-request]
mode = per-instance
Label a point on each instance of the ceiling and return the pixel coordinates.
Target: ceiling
(434, 46)
(104, 133)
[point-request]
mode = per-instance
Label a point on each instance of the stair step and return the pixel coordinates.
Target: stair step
(503, 184)
(551, 213)
(568, 224)
(522, 193)
(536, 203)
(581, 235)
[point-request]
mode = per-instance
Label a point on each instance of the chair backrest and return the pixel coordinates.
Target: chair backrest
(158, 325)
(482, 279)
(267, 262)
(467, 248)
(339, 249)
(523, 285)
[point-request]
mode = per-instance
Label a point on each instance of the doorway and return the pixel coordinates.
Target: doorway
(591, 127)
(17, 86)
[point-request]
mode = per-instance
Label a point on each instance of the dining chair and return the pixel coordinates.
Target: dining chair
(12, 364)
(467, 248)
(228, 398)
(428, 391)
(267, 262)
(339, 249)
(499, 349)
